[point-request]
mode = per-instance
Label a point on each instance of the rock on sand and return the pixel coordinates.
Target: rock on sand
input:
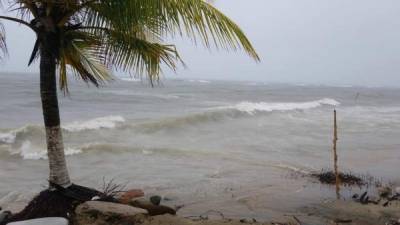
(107, 213)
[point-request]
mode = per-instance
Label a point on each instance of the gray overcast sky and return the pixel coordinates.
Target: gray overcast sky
(339, 42)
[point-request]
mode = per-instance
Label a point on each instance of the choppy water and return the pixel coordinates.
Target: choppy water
(196, 140)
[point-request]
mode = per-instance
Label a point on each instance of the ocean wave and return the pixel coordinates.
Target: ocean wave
(183, 121)
(140, 94)
(200, 81)
(94, 124)
(12, 136)
(29, 151)
(294, 169)
(252, 107)
(7, 138)
(239, 110)
(30, 131)
(216, 114)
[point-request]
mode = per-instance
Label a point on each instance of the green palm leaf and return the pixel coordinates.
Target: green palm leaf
(79, 51)
(194, 18)
(128, 35)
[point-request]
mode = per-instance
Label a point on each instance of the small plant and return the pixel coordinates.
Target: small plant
(112, 189)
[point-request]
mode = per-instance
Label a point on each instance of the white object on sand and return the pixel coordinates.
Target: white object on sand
(42, 221)
(95, 198)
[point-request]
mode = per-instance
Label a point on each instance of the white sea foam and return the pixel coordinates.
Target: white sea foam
(72, 151)
(7, 138)
(30, 130)
(94, 124)
(28, 151)
(11, 136)
(252, 107)
(295, 169)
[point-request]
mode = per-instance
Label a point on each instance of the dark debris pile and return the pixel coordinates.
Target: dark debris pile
(328, 177)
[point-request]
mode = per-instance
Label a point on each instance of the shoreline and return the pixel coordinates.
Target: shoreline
(248, 209)
(335, 212)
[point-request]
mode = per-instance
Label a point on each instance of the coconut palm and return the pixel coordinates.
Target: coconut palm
(90, 38)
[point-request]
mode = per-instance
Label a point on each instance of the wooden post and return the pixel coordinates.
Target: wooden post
(335, 156)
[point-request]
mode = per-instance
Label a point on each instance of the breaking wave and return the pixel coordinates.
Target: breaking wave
(233, 111)
(27, 142)
(210, 115)
(32, 131)
(242, 109)
(20, 133)
(95, 124)
(7, 138)
(251, 107)
(28, 151)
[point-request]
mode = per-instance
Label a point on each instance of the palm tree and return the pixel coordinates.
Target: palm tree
(90, 38)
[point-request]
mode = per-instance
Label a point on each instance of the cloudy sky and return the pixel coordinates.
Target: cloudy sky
(334, 42)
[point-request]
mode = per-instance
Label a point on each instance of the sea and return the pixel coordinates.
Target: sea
(243, 148)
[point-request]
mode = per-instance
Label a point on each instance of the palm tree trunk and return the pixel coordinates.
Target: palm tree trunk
(48, 91)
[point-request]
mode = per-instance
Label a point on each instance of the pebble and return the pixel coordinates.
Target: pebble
(156, 200)
(154, 210)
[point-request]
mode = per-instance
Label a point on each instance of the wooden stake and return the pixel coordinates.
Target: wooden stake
(335, 156)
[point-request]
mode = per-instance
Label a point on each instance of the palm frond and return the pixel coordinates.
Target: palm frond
(35, 52)
(194, 18)
(23, 8)
(128, 53)
(80, 53)
(3, 44)
(94, 36)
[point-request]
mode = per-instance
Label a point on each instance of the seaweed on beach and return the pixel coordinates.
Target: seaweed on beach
(47, 204)
(347, 178)
(60, 202)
